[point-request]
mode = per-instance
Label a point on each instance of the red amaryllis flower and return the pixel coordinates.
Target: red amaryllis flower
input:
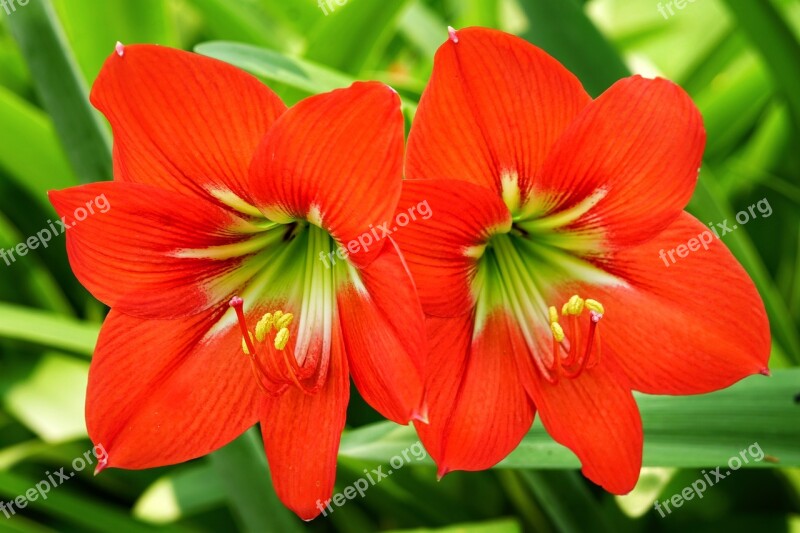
(194, 226)
(540, 273)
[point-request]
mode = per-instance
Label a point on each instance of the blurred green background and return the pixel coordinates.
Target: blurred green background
(740, 61)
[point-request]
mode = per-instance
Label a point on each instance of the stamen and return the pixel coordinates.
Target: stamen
(575, 305)
(281, 339)
(567, 354)
(594, 305)
(283, 321)
(558, 331)
(264, 326)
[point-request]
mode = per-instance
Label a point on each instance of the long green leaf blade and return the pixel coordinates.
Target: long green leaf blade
(682, 431)
(62, 90)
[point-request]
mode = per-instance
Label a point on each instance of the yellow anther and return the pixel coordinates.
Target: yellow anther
(558, 331)
(264, 326)
(281, 339)
(244, 344)
(594, 305)
(575, 305)
(565, 309)
(553, 314)
(277, 315)
(284, 321)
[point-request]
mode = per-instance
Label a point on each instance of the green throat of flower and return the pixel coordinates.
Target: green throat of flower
(525, 270)
(285, 302)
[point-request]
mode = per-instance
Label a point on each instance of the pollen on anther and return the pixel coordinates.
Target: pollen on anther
(594, 305)
(264, 326)
(451, 31)
(281, 339)
(284, 321)
(558, 331)
(120, 49)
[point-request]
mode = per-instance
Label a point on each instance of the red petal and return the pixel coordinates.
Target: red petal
(335, 159)
(302, 433)
(597, 418)
(495, 105)
(477, 422)
(462, 217)
(384, 332)
(164, 392)
(692, 327)
(182, 121)
(127, 255)
(640, 145)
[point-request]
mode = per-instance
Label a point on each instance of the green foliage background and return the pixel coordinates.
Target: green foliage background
(740, 61)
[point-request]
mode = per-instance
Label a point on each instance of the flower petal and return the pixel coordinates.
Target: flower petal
(596, 417)
(441, 250)
(492, 110)
(301, 435)
(162, 392)
(477, 422)
(628, 164)
(336, 160)
(699, 323)
(182, 121)
(384, 332)
(132, 257)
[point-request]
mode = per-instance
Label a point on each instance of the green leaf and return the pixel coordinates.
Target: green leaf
(178, 495)
(771, 35)
(333, 41)
(62, 90)
(144, 21)
(242, 469)
(507, 525)
(30, 150)
(559, 494)
(81, 510)
(54, 413)
(270, 65)
(563, 30)
(244, 22)
(680, 431)
(47, 329)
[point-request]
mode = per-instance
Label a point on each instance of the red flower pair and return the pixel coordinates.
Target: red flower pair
(538, 271)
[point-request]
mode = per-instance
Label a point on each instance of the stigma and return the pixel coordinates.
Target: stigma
(571, 356)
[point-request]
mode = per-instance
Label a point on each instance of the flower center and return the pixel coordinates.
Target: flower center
(288, 320)
(527, 269)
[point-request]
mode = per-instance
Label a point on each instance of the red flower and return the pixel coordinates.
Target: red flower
(193, 226)
(551, 210)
